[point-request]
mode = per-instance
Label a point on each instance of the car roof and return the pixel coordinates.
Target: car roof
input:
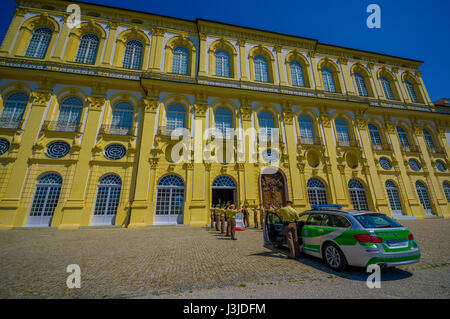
(341, 211)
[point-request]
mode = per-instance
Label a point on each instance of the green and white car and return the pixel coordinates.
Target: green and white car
(345, 237)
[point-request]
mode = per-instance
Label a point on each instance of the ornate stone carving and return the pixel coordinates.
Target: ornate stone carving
(390, 127)
(362, 123)
(288, 117)
(325, 118)
(200, 109)
(41, 97)
(96, 102)
(150, 105)
(246, 113)
(153, 162)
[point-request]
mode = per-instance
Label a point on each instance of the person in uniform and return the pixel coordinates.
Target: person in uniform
(262, 215)
(244, 210)
(212, 211)
(227, 217)
(222, 218)
(288, 216)
(217, 212)
(254, 210)
(232, 213)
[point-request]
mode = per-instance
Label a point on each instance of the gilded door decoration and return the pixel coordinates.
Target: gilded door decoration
(273, 189)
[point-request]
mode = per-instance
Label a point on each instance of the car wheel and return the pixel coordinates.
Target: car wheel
(334, 257)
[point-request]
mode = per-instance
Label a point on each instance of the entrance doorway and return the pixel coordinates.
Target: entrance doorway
(223, 190)
(273, 187)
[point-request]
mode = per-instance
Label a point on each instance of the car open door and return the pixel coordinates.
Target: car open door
(273, 230)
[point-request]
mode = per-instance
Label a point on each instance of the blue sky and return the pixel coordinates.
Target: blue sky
(411, 29)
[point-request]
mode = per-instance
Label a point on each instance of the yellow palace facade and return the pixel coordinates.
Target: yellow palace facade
(90, 110)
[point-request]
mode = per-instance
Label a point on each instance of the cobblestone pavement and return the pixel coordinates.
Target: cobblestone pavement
(197, 262)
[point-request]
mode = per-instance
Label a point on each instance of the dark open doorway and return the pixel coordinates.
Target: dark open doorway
(223, 195)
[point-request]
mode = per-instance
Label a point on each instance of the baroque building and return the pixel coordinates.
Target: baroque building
(90, 111)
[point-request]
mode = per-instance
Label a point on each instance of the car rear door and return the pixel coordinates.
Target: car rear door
(312, 232)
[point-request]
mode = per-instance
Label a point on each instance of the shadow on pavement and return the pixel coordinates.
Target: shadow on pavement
(353, 273)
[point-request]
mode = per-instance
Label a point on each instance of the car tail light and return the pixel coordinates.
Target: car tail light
(410, 237)
(366, 238)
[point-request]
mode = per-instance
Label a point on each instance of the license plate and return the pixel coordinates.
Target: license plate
(396, 242)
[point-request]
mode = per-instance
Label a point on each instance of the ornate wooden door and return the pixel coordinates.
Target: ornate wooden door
(273, 189)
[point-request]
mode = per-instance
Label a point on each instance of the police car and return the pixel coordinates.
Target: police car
(346, 237)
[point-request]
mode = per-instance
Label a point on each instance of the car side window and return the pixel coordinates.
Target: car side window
(327, 220)
(303, 218)
(341, 221)
(314, 220)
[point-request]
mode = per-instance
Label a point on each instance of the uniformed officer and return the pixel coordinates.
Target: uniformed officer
(217, 216)
(262, 215)
(227, 217)
(212, 211)
(222, 218)
(245, 211)
(289, 215)
(254, 210)
(232, 213)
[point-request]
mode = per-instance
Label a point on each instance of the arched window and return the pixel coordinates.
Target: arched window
(394, 198)
(342, 131)
(328, 80)
(261, 69)
(69, 114)
(180, 61)
(223, 66)
(361, 84)
(107, 200)
(45, 199)
(13, 110)
(224, 182)
(266, 125)
(386, 84)
(176, 117)
(132, 58)
(224, 122)
(37, 48)
(358, 195)
(306, 129)
(403, 136)
(87, 50)
(385, 163)
(428, 139)
(169, 200)
(411, 91)
(122, 119)
(297, 76)
(424, 198)
(317, 192)
(447, 190)
(375, 136)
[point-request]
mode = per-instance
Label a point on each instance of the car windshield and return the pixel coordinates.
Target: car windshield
(376, 221)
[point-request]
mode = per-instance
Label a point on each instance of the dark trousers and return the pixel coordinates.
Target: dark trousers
(255, 219)
(217, 222)
(228, 226)
(222, 224)
(246, 221)
(233, 228)
(290, 231)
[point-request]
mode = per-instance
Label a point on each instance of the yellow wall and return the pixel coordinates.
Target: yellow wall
(100, 86)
